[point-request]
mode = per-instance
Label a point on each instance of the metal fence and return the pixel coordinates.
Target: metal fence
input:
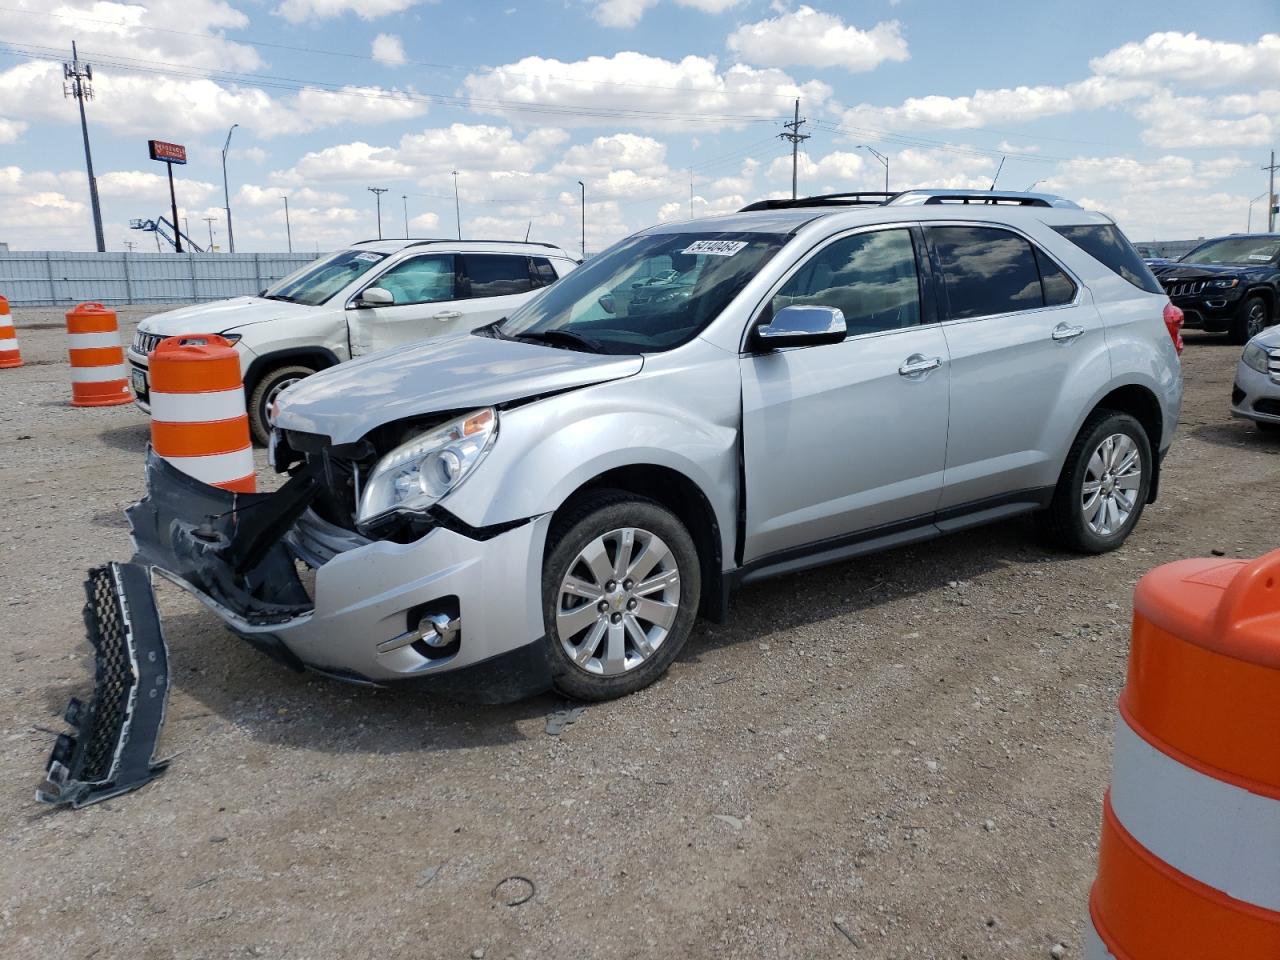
(51, 277)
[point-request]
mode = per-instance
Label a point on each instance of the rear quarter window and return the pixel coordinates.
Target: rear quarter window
(1106, 244)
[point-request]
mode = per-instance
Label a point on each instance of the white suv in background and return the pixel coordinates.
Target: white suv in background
(373, 295)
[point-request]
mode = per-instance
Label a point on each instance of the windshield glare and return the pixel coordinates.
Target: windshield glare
(647, 294)
(1235, 250)
(317, 282)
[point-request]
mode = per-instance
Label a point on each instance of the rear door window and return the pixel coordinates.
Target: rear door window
(986, 271)
(497, 275)
(1106, 244)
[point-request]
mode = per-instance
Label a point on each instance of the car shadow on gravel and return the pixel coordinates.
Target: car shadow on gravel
(1236, 433)
(230, 680)
(863, 583)
(131, 439)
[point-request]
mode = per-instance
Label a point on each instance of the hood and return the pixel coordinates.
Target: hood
(219, 316)
(453, 373)
(1269, 338)
(1175, 270)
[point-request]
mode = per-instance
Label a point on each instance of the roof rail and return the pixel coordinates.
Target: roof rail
(872, 198)
(413, 242)
(1011, 198)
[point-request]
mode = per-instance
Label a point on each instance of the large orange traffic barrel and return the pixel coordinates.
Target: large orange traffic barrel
(10, 355)
(1189, 862)
(198, 419)
(98, 375)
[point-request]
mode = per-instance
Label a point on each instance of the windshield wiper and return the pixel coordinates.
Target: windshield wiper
(279, 296)
(568, 338)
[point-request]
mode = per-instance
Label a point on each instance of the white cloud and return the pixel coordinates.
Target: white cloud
(1189, 58)
(627, 13)
(269, 196)
(300, 11)
(347, 161)
(808, 37)
(190, 32)
(1236, 120)
(388, 50)
(593, 89)
(10, 130)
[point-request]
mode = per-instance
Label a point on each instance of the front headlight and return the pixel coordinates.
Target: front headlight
(1224, 283)
(1256, 356)
(416, 474)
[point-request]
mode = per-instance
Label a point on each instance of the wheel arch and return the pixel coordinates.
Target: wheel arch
(683, 497)
(1142, 404)
(321, 357)
(1267, 294)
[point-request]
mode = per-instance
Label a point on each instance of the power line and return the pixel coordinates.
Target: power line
(455, 67)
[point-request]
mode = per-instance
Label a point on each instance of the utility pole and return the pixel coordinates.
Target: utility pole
(1271, 191)
(584, 218)
(226, 194)
(377, 193)
(129, 245)
(77, 81)
(796, 138)
(209, 221)
(405, 198)
(288, 231)
(457, 206)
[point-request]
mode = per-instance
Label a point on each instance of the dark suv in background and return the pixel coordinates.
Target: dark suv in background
(1229, 284)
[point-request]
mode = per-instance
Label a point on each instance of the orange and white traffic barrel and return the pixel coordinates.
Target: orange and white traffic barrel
(98, 374)
(198, 418)
(1189, 862)
(10, 355)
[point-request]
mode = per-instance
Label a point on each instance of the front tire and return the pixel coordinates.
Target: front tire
(620, 589)
(1250, 320)
(265, 391)
(1104, 485)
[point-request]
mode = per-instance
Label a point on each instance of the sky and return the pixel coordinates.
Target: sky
(1161, 114)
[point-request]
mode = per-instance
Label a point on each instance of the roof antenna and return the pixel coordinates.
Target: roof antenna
(527, 232)
(997, 176)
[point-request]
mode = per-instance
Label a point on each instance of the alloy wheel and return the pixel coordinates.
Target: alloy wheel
(1256, 320)
(618, 601)
(1112, 480)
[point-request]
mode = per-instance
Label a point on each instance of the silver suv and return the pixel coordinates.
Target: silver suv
(553, 499)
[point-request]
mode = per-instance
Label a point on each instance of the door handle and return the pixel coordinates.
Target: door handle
(917, 364)
(447, 315)
(1064, 332)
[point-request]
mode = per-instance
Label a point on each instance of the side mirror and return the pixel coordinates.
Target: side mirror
(797, 326)
(608, 304)
(375, 297)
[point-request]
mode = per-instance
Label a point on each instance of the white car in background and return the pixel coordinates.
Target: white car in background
(373, 295)
(1256, 393)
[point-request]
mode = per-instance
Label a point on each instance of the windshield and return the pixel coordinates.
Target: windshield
(317, 282)
(645, 294)
(1235, 250)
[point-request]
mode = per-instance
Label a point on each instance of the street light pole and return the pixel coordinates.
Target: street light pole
(226, 194)
(288, 232)
(405, 198)
(457, 206)
(584, 219)
(1249, 222)
(882, 158)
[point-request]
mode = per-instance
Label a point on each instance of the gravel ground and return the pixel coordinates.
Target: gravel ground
(899, 756)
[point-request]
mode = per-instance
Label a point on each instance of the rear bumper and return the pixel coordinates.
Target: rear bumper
(359, 619)
(1255, 396)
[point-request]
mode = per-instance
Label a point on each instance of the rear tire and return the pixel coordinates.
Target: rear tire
(1250, 320)
(620, 589)
(1104, 485)
(264, 393)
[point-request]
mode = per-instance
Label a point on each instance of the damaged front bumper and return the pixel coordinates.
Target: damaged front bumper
(377, 611)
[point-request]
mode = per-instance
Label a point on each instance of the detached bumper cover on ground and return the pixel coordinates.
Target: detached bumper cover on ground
(115, 736)
(371, 599)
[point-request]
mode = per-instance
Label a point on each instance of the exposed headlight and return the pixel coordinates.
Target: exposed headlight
(1256, 356)
(1224, 283)
(232, 338)
(416, 474)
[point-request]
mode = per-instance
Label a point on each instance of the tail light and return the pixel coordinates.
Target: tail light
(1173, 321)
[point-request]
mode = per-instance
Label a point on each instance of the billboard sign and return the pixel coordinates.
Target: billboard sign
(168, 152)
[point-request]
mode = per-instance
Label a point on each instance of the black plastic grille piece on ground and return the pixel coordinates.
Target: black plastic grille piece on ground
(115, 735)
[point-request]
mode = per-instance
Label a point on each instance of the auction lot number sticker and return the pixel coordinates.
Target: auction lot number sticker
(716, 248)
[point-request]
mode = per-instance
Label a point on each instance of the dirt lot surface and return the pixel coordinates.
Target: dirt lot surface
(901, 756)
